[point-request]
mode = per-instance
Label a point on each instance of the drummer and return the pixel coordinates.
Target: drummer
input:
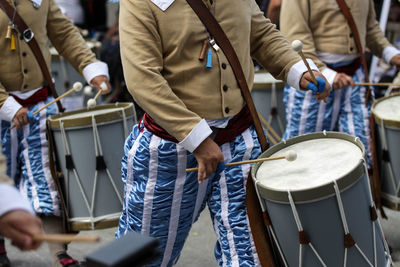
(22, 89)
(332, 46)
(184, 97)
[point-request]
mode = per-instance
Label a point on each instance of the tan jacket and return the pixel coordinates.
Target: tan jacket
(160, 52)
(321, 26)
(19, 70)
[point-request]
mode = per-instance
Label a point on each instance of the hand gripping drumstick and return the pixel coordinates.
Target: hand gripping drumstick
(290, 156)
(297, 46)
(92, 101)
(75, 88)
(66, 238)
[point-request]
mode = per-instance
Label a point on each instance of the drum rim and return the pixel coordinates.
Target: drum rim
(279, 84)
(378, 119)
(54, 121)
(314, 193)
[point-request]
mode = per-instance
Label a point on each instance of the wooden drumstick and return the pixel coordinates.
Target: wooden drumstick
(92, 101)
(290, 156)
(66, 238)
(75, 88)
(379, 84)
(297, 46)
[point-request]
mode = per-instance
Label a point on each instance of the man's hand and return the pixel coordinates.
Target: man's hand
(20, 226)
(20, 118)
(342, 80)
(395, 61)
(321, 90)
(98, 80)
(208, 155)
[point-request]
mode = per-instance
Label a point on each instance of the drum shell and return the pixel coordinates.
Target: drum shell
(79, 134)
(320, 217)
(391, 130)
(262, 94)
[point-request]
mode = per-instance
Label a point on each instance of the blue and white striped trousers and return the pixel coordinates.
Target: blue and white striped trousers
(163, 201)
(27, 156)
(345, 111)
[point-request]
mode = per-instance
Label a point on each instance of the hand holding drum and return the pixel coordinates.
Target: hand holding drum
(75, 88)
(290, 156)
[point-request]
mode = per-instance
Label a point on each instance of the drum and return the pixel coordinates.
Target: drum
(87, 147)
(320, 208)
(386, 112)
(267, 94)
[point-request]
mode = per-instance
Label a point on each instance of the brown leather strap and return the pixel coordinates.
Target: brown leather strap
(222, 40)
(28, 35)
(267, 256)
(347, 14)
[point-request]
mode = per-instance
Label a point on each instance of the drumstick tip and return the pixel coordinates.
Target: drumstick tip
(291, 155)
(77, 86)
(297, 45)
(103, 86)
(91, 103)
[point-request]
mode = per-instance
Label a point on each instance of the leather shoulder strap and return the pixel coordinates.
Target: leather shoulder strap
(222, 40)
(29, 38)
(347, 14)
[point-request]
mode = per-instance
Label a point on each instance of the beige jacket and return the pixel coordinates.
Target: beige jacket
(19, 70)
(160, 50)
(322, 27)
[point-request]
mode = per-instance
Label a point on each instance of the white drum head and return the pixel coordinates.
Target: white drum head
(89, 113)
(319, 162)
(388, 108)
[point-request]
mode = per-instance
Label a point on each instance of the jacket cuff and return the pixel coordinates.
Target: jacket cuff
(9, 109)
(389, 52)
(297, 71)
(95, 69)
(11, 199)
(330, 75)
(200, 132)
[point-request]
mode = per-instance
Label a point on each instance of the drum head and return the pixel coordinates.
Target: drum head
(387, 109)
(321, 159)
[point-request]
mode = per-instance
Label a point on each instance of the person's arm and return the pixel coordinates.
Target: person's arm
(274, 9)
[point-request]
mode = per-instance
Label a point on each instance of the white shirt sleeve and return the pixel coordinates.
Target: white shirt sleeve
(11, 199)
(95, 69)
(200, 132)
(9, 109)
(330, 75)
(297, 71)
(389, 52)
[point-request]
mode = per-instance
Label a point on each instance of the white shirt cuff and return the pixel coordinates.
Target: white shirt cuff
(9, 109)
(389, 52)
(330, 75)
(297, 71)
(200, 132)
(11, 199)
(95, 69)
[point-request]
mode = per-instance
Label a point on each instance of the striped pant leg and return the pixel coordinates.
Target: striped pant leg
(227, 204)
(36, 182)
(305, 115)
(161, 200)
(354, 114)
(10, 141)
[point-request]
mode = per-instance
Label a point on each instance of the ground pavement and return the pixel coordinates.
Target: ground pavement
(198, 250)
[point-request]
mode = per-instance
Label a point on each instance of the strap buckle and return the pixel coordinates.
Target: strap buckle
(28, 35)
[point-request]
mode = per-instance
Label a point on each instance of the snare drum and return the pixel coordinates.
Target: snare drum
(320, 205)
(267, 94)
(87, 145)
(386, 112)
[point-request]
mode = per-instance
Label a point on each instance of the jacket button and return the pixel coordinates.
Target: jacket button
(25, 71)
(226, 110)
(24, 54)
(225, 88)
(351, 35)
(351, 48)
(25, 86)
(223, 65)
(21, 37)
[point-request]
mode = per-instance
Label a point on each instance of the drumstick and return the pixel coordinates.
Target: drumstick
(290, 156)
(297, 46)
(75, 88)
(379, 84)
(66, 238)
(92, 101)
